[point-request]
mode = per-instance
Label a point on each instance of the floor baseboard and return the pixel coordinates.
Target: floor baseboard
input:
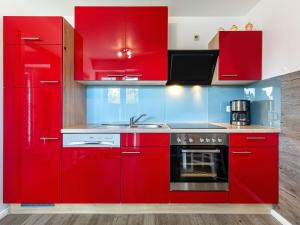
(143, 209)
(279, 218)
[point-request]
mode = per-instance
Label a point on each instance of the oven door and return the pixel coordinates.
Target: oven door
(199, 168)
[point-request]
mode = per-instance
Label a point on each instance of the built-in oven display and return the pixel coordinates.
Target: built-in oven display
(199, 168)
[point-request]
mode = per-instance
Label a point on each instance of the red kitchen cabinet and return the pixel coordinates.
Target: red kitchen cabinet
(33, 59)
(91, 175)
(32, 29)
(32, 65)
(240, 56)
(146, 38)
(144, 175)
(121, 43)
(145, 140)
(99, 36)
(39, 110)
(253, 172)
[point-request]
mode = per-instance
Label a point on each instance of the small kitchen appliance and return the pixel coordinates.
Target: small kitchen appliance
(240, 112)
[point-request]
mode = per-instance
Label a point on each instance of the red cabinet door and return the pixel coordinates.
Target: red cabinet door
(32, 29)
(147, 39)
(11, 146)
(99, 37)
(32, 65)
(240, 56)
(40, 112)
(253, 175)
(144, 175)
(91, 175)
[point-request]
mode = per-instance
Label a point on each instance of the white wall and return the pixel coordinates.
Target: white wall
(280, 22)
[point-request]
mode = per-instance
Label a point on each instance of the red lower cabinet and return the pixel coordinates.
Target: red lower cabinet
(253, 175)
(198, 197)
(145, 175)
(91, 175)
(41, 174)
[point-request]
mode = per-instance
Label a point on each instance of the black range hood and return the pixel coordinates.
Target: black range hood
(192, 67)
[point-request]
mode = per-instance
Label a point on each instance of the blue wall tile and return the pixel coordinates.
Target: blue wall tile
(265, 99)
(161, 104)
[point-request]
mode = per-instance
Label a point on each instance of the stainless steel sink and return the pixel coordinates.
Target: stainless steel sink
(147, 126)
(142, 126)
(104, 125)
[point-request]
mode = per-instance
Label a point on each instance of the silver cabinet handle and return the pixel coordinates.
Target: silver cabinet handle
(201, 151)
(131, 153)
(30, 38)
(49, 81)
(134, 75)
(49, 138)
(256, 138)
(115, 75)
(242, 153)
(230, 75)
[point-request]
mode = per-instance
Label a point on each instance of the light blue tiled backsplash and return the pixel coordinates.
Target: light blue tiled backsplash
(265, 99)
(117, 104)
(161, 104)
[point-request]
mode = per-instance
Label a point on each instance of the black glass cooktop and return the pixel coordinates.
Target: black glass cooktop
(194, 126)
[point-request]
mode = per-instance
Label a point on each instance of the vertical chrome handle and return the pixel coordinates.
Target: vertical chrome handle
(31, 38)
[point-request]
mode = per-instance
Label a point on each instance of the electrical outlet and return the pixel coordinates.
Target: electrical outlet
(228, 108)
(196, 37)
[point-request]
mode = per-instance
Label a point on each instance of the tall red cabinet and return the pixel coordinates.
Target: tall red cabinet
(33, 89)
(121, 43)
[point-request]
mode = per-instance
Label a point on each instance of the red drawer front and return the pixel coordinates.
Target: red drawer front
(145, 140)
(253, 139)
(32, 29)
(198, 197)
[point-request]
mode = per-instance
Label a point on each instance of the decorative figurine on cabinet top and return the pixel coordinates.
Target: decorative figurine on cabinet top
(234, 28)
(249, 26)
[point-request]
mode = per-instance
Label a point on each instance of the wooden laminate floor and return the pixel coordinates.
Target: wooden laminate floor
(168, 219)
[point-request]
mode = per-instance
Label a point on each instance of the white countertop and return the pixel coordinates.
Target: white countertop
(94, 128)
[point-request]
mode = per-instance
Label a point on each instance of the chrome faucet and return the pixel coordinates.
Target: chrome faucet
(133, 121)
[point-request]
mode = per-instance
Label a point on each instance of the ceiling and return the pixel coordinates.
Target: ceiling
(187, 7)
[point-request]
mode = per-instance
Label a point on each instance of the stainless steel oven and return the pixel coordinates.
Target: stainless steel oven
(199, 162)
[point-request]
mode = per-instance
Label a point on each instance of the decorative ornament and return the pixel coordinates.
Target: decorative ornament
(221, 29)
(249, 26)
(234, 28)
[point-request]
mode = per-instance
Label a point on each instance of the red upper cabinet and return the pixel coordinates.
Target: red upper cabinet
(99, 36)
(31, 29)
(91, 175)
(253, 167)
(121, 43)
(31, 65)
(240, 56)
(146, 39)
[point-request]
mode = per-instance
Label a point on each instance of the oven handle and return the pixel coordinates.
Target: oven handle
(201, 151)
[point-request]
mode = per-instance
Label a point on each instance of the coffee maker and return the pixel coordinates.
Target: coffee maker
(240, 112)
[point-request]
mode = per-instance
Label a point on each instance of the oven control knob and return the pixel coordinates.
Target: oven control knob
(201, 140)
(191, 140)
(207, 140)
(213, 140)
(178, 140)
(220, 140)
